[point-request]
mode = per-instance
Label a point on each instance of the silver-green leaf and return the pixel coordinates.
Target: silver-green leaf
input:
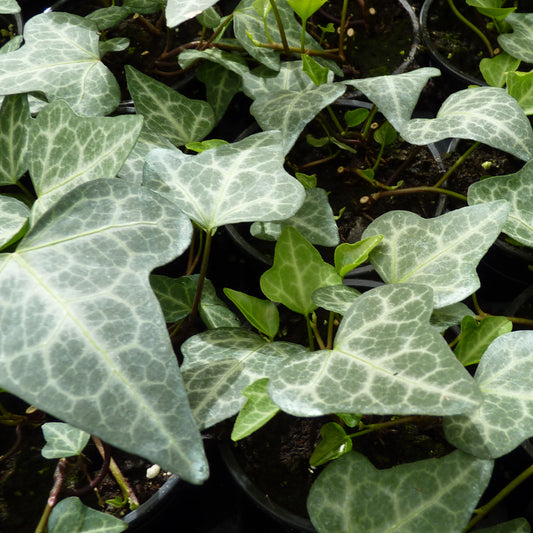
(83, 336)
(63, 440)
(442, 252)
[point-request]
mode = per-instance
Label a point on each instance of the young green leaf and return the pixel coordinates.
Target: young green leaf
(72, 516)
(262, 314)
(415, 497)
(476, 338)
(256, 412)
(355, 117)
(385, 134)
(441, 252)
(520, 86)
(63, 440)
(505, 418)
(305, 8)
(349, 256)
(386, 358)
(496, 69)
(62, 52)
(334, 443)
(298, 270)
(316, 72)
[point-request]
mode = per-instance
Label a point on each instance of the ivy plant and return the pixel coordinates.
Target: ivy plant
(94, 200)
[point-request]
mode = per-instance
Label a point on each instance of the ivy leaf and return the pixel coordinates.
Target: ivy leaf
(485, 114)
(262, 314)
(298, 270)
(176, 297)
(418, 496)
(505, 418)
(9, 7)
(519, 43)
(256, 412)
(15, 122)
(13, 218)
(518, 525)
(386, 359)
(166, 111)
(450, 315)
(350, 255)
(476, 338)
(61, 51)
(334, 443)
(68, 150)
(314, 221)
(496, 69)
(83, 336)
(441, 252)
(72, 516)
(240, 182)
(63, 440)
(520, 87)
(178, 11)
(517, 190)
(336, 298)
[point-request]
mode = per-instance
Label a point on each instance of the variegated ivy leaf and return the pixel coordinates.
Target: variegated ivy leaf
(248, 24)
(485, 114)
(336, 298)
(395, 95)
(256, 412)
(451, 315)
(239, 182)
(72, 516)
(166, 111)
(232, 62)
(314, 221)
(517, 190)
(176, 297)
(63, 440)
(9, 7)
(441, 252)
(298, 270)
(67, 150)
(13, 218)
(519, 43)
(178, 11)
(417, 497)
(219, 363)
(290, 111)
(505, 418)
(386, 359)
(15, 121)
(61, 58)
(83, 336)
(290, 77)
(107, 17)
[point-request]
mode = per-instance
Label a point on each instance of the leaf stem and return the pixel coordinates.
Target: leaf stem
(281, 29)
(473, 27)
(382, 425)
(310, 337)
(482, 511)
(413, 190)
(203, 273)
(317, 335)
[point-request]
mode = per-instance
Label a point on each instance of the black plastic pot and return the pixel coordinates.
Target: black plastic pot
(431, 9)
(12, 22)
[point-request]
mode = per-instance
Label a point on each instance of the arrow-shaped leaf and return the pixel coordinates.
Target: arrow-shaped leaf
(61, 58)
(83, 336)
(239, 182)
(386, 359)
(485, 114)
(505, 418)
(352, 495)
(442, 252)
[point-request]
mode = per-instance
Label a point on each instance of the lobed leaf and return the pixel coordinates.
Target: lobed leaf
(63, 440)
(441, 252)
(419, 497)
(61, 58)
(519, 43)
(239, 182)
(505, 418)
(386, 359)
